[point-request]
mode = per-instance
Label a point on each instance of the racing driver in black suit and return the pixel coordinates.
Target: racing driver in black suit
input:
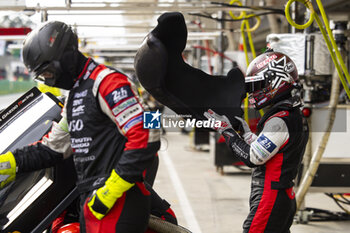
(101, 127)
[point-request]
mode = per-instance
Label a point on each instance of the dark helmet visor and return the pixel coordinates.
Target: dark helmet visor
(48, 73)
(254, 83)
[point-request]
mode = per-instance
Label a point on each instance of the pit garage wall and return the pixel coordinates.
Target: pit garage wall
(339, 141)
(333, 174)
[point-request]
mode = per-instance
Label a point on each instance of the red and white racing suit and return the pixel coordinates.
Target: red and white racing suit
(275, 154)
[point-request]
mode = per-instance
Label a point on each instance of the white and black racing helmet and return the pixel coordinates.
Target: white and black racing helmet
(270, 77)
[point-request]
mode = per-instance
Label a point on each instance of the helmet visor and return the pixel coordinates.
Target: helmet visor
(47, 73)
(44, 76)
(254, 83)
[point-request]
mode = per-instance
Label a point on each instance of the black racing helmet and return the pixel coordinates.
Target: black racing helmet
(43, 49)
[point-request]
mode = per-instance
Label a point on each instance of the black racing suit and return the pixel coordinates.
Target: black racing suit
(275, 163)
(102, 127)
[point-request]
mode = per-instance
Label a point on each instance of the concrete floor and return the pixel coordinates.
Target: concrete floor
(207, 202)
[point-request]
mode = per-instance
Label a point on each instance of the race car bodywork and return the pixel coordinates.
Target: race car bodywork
(33, 200)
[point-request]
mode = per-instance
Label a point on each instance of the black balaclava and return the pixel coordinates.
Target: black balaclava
(67, 69)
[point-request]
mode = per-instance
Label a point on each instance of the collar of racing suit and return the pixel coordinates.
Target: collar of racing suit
(82, 66)
(291, 102)
(284, 105)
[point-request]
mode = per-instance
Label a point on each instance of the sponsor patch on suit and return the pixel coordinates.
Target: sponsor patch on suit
(131, 123)
(124, 105)
(118, 95)
(128, 113)
(266, 143)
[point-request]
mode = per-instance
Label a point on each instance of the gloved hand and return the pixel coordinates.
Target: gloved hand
(248, 136)
(7, 169)
(104, 198)
(225, 123)
(244, 124)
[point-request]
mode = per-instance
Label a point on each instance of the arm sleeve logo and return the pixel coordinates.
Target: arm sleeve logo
(118, 94)
(266, 143)
(125, 104)
(132, 123)
(128, 114)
